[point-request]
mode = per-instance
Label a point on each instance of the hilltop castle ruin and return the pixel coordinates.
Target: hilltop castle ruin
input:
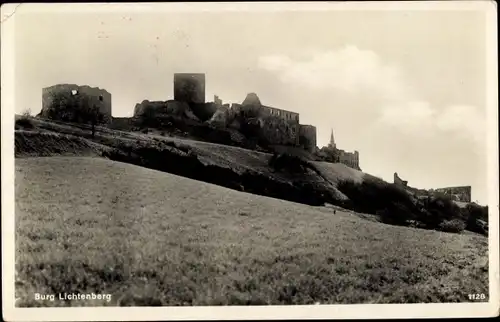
(277, 127)
(273, 126)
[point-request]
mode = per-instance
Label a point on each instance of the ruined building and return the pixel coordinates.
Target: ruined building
(217, 100)
(188, 103)
(399, 181)
(190, 88)
(349, 159)
(275, 126)
(462, 194)
(278, 126)
(252, 100)
(72, 103)
(333, 154)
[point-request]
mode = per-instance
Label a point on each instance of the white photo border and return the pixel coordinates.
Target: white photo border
(358, 311)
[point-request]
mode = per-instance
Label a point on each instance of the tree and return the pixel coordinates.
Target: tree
(91, 114)
(94, 114)
(75, 107)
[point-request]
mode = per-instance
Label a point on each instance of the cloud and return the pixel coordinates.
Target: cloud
(397, 104)
(348, 69)
(464, 119)
(408, 117)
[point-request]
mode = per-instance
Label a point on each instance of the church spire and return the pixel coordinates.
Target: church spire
(332, 140)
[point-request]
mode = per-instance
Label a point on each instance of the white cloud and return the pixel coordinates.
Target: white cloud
(349, 69)
(464, 119)
(398, 105)
(410, 117)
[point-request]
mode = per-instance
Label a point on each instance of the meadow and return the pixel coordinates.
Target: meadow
(150, 238)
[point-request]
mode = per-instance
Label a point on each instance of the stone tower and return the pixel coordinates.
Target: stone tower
(189, 87)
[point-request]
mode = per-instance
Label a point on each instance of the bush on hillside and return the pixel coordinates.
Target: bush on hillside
(289, 163)
(396, 213)
(436, 210)
(452, 226)
(395, 206)
(374, 196)
(476, 218)
(24, 123)
(476, 211)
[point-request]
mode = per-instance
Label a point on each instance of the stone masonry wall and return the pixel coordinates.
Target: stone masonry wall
(399, 181)
(349, 159)
(164, 108)
(276, 130)
(189, 87)
(65, 101)
(457, 193)
(307, 137)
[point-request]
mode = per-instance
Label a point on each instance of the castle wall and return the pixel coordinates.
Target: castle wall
(163, 108)
(307, 137)
(457, 193)
(68, 101)
(277, 130)
(217, 100)
(349, 159)
(399, 181)
(189, 87)
(278, 127)
(252, 103)
(286, 115)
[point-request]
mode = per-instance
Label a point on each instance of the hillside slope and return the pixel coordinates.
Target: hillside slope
(36, 143)
(229, 166)
(152, 238)
(337, 172)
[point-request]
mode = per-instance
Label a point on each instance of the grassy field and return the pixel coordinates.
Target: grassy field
(152, 238)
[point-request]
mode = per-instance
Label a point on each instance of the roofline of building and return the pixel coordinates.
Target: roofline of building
(279, 109)
(80, 86)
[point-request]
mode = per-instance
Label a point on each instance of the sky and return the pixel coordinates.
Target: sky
(404, 88)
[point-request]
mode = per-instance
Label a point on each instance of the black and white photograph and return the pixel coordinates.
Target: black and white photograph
(249, 160)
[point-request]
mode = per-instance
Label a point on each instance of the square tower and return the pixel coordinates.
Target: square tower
(189, 87)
